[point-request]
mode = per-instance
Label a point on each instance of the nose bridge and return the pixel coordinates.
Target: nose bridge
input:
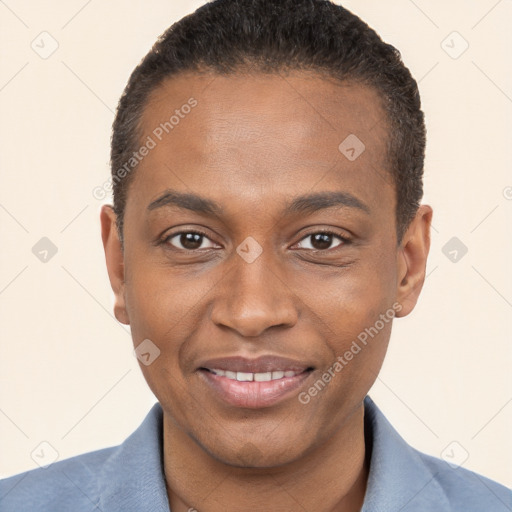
(255, 295)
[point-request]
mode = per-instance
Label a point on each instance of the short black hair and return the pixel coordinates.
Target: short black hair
(269, 36)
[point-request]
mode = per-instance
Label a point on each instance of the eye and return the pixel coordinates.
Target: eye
(189, 241)
(322, 241)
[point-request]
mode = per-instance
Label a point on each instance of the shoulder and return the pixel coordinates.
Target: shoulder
(126, 477)
(69, 484)
(465, 489)
(403, 478)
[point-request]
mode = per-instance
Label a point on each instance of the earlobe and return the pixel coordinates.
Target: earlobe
(114, 258)
(412, 260)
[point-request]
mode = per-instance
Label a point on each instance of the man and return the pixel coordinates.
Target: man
(267, 161)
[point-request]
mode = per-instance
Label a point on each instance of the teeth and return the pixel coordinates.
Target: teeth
(263, 377)
(257, 377)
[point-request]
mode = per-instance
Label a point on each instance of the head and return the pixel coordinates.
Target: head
(267, 161)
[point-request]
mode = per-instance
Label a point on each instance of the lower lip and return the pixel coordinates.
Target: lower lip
(254, 395)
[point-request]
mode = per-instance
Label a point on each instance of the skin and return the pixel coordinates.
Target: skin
(253, 144)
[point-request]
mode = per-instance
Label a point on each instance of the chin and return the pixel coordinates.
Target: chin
(253, 454)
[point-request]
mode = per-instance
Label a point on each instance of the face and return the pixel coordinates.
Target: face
(260, 250)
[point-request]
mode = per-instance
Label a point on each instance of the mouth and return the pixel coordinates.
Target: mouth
(254, 383)
(254, 377)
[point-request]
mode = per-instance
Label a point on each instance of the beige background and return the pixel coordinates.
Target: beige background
(68, 376)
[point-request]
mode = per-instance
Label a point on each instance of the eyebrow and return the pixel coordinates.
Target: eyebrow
(187, 201)
(308, 203)
(318, 201)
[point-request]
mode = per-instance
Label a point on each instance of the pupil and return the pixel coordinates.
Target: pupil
(191, 240)
(322, 240)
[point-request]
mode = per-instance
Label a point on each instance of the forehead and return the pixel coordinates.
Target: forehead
(289, 130)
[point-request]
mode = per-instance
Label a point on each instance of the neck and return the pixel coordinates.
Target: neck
(329, 478)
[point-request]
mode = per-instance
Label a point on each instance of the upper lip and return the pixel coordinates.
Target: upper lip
(262, 364)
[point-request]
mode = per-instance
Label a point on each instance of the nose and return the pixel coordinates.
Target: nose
(254, 297)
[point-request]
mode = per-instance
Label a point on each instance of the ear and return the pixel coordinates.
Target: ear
(412, 260)
(115, 260)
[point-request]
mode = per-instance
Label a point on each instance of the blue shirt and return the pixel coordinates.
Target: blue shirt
(130, 478)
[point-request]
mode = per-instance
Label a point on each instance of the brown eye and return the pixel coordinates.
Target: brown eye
(189, 241)
(321, 241)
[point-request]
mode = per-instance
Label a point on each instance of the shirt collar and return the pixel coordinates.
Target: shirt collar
(132, 478)
(398, 479)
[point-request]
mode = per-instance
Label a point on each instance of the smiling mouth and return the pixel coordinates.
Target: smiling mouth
(256, 389)
(256, 377)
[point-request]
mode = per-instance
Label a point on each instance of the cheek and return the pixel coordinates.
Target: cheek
(358, 309)
(160, 301)
(168, 308)
(360, 295)
(164, 308)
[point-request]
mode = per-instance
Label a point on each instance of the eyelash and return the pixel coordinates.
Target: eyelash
(343, 239)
